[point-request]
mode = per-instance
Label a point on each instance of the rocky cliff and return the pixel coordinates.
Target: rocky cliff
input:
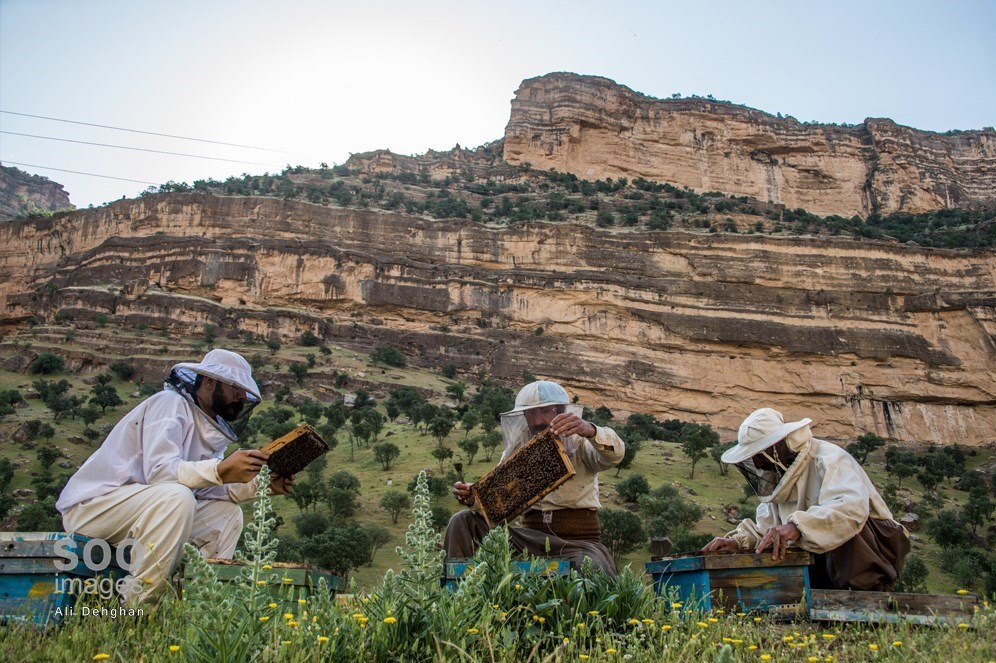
(879, 337)
(594, 128)
(21, 193)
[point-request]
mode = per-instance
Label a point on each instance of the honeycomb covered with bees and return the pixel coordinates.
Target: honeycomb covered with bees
(535, 469)
(294, 451)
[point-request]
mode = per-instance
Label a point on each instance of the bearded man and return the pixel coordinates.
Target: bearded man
(161, 478)
(565, 522)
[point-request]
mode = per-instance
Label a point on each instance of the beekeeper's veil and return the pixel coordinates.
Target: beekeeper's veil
(759, 432)
(515, 429)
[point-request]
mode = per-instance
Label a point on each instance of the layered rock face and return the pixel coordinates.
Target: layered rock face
(20, 193)
(860, 337)
(594, 128)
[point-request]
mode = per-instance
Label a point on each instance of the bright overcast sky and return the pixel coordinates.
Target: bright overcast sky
(318, 79)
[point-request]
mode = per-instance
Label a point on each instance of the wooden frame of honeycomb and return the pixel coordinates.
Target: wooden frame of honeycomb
(294, 451)
(533, 470)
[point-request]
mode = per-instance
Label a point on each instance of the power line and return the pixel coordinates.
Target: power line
(138, 131)
(76, 172)
(138, 149)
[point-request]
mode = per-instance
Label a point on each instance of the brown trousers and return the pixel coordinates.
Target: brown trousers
(871, 561)
(555, 539)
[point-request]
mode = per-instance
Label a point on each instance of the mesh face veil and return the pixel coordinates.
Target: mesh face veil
(182, 380)
(763, 472)
(544, 400)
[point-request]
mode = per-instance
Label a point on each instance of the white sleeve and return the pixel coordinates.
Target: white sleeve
(162, 436)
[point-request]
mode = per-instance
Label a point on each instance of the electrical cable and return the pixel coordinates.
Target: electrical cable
(139, 131)
(75, 172)
(139, 149)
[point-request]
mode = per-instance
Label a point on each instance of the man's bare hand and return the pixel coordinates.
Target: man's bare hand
(280, 485)
(567, 424)
(777, 538)
(242, 465)
(461, 491)
(721, 544)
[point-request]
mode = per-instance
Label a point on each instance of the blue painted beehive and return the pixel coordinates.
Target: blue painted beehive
(33, 587)
(735, 583)
(456, 569)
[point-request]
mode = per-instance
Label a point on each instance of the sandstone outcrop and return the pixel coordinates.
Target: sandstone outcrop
(872, 336)
(20, 193)
(595, 128)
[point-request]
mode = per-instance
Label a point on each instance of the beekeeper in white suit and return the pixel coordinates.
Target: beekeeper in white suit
(816, 496)
(565, 522)
(161, 478)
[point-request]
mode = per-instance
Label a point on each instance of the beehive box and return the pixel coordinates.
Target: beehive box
(34, 588)
(456, 569)
(532, 471)
(735, 583)
(841, 605)
(287, 582)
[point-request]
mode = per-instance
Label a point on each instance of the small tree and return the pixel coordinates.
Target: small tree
(123, 370)
(622, 532)
(395, 502)
(105, 396)
(440, 427)
(389, 356)
(632, 487)
(913, 579)
(695, 440)
(948, 530)
(308, 339)
(978, 510)
(379, 537)
(667, 512)
(338, 549)
(299, 371)
(47, 363)
(717, 451)
(273, 345)
(442, 454)
(385, 453)
(864, 445)
(470, 448)
(457, 390)
(489, 443)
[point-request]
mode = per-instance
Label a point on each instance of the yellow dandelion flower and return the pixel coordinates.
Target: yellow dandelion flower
(703, 624)
(962, 625)
(765, 657)
(356, 615)
(713, 620)
(518, 588)
(752, 647)
(266, 567)
(737, 641)
(292, 624)
(666, 627)
(961, 592)
(290, 615)
(322, 639)
(579, 626)
(567, 641)
(174, 648)
(473, 631)
(788, 638)
(873, 647)
(757, 619)
(264, 618)
(829, 636)
(390, 620)
(302, 601)
(897, 643)
(647, 621)
(495, 606)
(148, 581)
(260, 582)
(100, 657)
(676, 605)
(610, 650)
(542, 620)
(728, 641)
(720, 611)
(272, 605)
(634, 622)
(287, 581)
(741, 614)
(829, 659)
(314, 619)
(286, 642)
(593, 612)
(813, 659)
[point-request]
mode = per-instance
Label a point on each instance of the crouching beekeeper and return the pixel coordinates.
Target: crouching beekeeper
(816, 496)
(161, 479)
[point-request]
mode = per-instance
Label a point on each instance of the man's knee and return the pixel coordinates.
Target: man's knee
(175, 500)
